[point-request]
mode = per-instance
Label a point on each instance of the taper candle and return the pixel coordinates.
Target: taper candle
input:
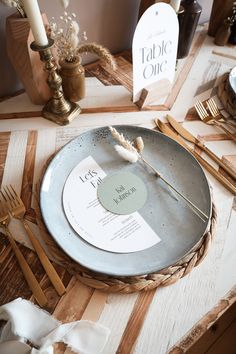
(175, 4)
(32, 11)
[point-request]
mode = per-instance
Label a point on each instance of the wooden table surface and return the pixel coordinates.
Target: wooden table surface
(144, 322)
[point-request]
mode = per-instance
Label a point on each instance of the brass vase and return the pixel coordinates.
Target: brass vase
(73, 79)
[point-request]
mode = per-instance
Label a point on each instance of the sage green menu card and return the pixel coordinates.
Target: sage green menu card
(122, 193)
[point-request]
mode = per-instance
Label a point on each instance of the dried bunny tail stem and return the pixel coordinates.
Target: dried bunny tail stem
(100, 51)
(139, 144)
(127, 155)
(121, 139)
(127, 149)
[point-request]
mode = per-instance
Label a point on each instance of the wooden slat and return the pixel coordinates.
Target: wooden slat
(4, 141)
(93, 310)
(203, 335)
(123, 73)
(72, 306)
(95, 306)
(224, 55)
(114, 109)
(16, 115)
(135, 322)
(4, 98)
(184, 72)
(28, 175)
(69, 308)
(101, 73)
(226, 343)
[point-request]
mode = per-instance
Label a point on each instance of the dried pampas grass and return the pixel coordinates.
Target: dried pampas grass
(70, 43)
(121, 139)
(17, 4)
(65, 3)
(100, 51)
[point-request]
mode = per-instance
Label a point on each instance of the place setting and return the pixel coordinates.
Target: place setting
(118, 180)
(135, 206)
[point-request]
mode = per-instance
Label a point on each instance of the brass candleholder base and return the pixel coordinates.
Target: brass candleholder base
(57, 109)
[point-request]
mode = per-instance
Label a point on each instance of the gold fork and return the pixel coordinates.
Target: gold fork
(206, 118)
(17, 210)
(28, 274)
(215, 112)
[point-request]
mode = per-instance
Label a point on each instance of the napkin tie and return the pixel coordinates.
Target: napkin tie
(26, 321)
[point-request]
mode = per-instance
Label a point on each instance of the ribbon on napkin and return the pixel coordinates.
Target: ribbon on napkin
(26, 321)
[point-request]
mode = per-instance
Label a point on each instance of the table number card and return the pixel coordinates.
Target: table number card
(154, 52)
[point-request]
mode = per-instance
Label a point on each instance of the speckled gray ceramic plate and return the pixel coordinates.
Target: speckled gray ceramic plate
(178, 227)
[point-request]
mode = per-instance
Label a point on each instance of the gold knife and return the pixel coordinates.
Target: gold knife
(167, 131)
(188, 136)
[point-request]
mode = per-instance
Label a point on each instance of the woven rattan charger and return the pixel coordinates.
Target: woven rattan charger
(164, 277)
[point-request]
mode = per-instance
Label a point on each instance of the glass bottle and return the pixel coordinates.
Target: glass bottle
(188, 25)
(219, 12)
(232, 37)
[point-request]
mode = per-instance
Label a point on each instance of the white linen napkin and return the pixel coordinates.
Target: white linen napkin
(26, 321)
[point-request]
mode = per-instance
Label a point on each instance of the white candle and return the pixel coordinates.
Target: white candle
(175, 4)
(36, 23)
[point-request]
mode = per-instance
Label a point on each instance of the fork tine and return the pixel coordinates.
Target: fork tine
(202, 107)
(201, 110)
(15, 195)
(213, 103)
(18, 212)
(212, 107)
(28, 274)
(198, 109)
(8, 198)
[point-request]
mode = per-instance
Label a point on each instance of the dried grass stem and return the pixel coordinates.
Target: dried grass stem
(129, 146)
(100, 51)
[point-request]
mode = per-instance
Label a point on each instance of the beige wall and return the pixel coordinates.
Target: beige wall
(109, 22)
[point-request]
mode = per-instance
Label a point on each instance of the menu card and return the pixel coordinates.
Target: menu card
(95, 224)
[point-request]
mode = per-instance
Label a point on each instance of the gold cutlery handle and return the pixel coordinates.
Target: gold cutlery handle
(232, 125)
(47, 265)
(215, 173)
(225, 130)
(214, 157)
(28, 274)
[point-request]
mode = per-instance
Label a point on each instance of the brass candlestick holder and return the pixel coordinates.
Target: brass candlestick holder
(57, 109)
